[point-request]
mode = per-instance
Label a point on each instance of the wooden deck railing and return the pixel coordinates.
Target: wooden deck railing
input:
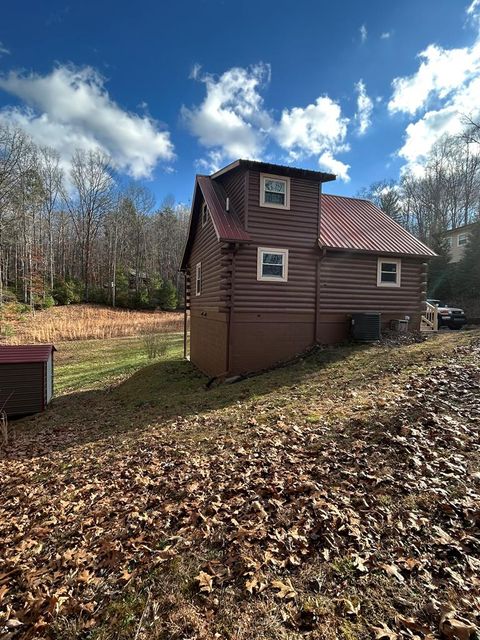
(430, 318)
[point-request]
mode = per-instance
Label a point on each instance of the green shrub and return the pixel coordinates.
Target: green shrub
(43, 302)
(154, 345)
(67, 292)
(9, 296)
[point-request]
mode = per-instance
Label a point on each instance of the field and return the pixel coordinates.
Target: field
(83, 322)
(334, 498)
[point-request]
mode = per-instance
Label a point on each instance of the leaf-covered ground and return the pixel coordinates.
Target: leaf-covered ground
(335, 498)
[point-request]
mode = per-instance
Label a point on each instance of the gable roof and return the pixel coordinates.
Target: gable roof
(227, 224)
(358, 225)
(18, 353)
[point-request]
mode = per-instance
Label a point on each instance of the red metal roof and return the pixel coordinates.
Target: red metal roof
(11, 354)
(359, 225)
(227, 223)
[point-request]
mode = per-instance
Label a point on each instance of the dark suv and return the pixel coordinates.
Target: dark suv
(449, 316)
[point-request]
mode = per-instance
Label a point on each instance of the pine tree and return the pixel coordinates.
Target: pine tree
(167, 296)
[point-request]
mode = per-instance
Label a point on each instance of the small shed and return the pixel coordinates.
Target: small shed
(26, 378)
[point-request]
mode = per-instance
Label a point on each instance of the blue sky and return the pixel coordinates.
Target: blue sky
(169, 89)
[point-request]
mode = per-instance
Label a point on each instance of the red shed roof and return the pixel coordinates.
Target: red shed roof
(359, 225)
(11, 354)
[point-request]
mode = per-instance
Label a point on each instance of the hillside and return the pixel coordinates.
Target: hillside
(334, 498)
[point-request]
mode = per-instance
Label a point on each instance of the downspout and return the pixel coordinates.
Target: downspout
(184, 315)
(230, 312)
(319, 259)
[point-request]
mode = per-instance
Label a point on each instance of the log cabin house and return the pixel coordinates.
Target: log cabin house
(273, 266)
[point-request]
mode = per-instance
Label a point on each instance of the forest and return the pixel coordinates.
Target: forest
(81, 233)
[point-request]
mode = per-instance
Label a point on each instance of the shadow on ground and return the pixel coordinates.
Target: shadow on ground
(155, 393)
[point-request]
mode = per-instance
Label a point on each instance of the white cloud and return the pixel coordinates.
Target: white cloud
(472, 7)
(363, 116)
(70, 108)
(3, 50)
(363, 33)
(195, 72)
(386, 35)
(231, 121)
(317, 129)
(441, 72)
(339, 168)
(444, 89)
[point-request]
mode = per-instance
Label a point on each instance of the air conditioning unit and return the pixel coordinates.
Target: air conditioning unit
(366, 327)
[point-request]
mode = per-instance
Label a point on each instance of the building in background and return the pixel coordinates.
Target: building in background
(457, 240)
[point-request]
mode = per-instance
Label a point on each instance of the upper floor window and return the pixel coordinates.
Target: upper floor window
(272, 264)
(462, 239)
(204, 214)
(388, 272)
(198, 279)
(274, 191)
(449, 242)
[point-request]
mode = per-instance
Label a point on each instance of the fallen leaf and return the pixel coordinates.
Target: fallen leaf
(205, 581)
(285, 589)
(384, 632)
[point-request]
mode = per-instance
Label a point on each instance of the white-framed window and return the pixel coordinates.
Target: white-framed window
(204, 214)
(198, 279)
(274, 191)
(462, 239)
(272, 264)
(449, 241)
(389, 272)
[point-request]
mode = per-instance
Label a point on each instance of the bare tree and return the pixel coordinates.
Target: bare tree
(89, 201)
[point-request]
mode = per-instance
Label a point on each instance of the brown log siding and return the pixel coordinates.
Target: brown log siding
(348, 283)
(208, 311)
(274, 321)
(207, 250)
(295, 230)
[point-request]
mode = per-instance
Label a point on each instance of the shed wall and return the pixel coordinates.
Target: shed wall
(25, 384)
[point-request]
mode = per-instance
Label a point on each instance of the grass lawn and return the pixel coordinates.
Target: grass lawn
(334, 498)
(95, 364)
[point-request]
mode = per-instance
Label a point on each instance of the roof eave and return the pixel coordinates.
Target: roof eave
(377, 252)
(279, 169)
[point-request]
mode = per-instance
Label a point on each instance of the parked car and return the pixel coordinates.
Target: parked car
(449, 316)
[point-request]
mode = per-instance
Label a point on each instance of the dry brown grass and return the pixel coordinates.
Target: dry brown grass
(87, 322)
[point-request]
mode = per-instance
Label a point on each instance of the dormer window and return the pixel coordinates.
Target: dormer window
(204, 214)
(274, 191)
